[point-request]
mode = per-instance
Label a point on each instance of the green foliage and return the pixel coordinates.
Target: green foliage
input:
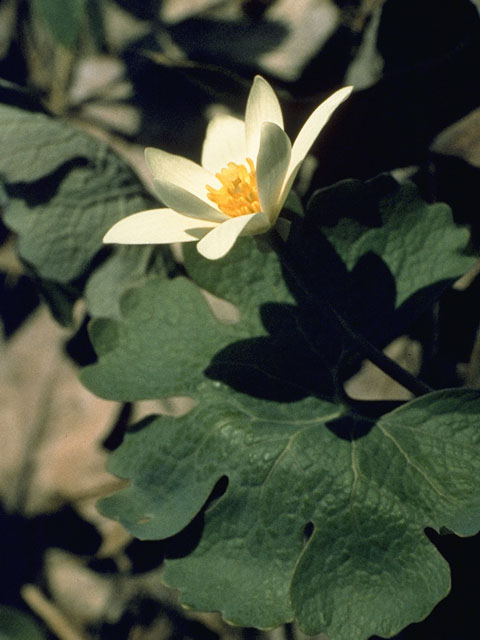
(368, 489)
(277, 497)
(65, 189)
(126, 267)
(15, 625)
(160, 348)
(169, 339)
(64, 18)
(379, 253)
(295, 507)
(292, 455)
(406, 232)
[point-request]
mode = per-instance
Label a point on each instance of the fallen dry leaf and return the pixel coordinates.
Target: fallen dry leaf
(9, 261)
(84, 594)
(308, 24)
(51, 426)
(174, 11)
(461, 139)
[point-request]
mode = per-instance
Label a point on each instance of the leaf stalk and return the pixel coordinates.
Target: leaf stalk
(358, 341)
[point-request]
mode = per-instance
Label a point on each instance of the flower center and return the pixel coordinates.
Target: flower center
(238, 194)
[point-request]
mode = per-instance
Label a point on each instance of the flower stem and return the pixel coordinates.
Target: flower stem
(378, 357)
(359, 342)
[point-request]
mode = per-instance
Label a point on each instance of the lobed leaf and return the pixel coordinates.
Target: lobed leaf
(161, 346)
(419, 242)
(367, 490)
(324, 513)
(379, 252)
(285, 345)
(168, 340)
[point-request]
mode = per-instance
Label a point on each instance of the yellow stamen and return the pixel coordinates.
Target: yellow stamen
(238, 194)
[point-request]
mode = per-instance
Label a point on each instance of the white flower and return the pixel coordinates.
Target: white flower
(247, 171)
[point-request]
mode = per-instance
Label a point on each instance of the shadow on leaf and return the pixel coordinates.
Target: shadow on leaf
(363, 264)
(183, 543)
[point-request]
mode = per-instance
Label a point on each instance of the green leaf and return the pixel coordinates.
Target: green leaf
(284, 345)
(387, 255)
(60, 299)
(64, 18)
(419, 242)
(16, 625)
(289, 352)
(368, 490)
(126, 267)
(162, 345)
(377, 239)
(168, 339)
(376, 251)
(248, 277)
(37, 144)
(65, 190)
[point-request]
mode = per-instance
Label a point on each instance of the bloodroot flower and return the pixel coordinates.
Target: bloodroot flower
(247, 171)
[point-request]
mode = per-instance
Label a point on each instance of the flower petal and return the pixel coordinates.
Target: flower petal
(224, 142)
(262, 106)
(310, 131)
(167, 167)
(156, 226)
(220, 240)
(272, 164)
(186, 203)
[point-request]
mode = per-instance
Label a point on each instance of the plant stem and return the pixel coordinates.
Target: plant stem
(378, 357)
(361, 344)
